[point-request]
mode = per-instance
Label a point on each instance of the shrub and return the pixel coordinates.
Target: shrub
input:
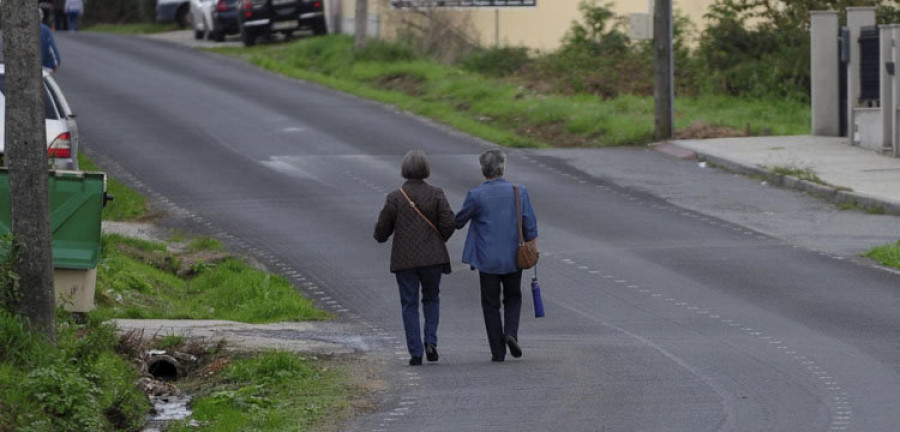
(600, 33)
(381, 51)
(80, 384)
(497, 62)
(66, 397)
(761, 61)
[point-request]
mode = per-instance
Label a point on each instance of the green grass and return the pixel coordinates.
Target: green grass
(126, 205)
(205, 244)
(77, 384)
(802, 173)
(506, 111)
(140, 279)
(270, 391)
(780, 117)
(888, 255)
(134, 29)
(85, 381)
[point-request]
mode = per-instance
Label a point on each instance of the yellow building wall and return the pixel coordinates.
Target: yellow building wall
(541, 27)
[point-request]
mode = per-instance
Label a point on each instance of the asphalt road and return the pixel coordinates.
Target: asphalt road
(702, 308)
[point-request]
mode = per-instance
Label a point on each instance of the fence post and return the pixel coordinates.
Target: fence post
(857, 18)
(895, 106)
(886, 90)
(825, 102)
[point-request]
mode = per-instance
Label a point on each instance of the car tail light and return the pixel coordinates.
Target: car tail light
(222, 6)
(317, 5)
(248, 6)
(61, 147)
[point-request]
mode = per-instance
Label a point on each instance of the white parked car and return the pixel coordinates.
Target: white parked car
(178, 11)
(202, 13)
(62, 131)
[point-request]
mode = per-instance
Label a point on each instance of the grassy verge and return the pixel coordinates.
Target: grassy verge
(81, 383)
(887, 255)
(508, 111)
(143, 280)
(270, 391)
(87, 380)
(126, 205)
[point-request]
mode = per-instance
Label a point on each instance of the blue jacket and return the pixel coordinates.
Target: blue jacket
(49, 54)
(493, 234)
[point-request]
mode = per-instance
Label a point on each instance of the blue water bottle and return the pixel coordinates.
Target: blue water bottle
(536, 295)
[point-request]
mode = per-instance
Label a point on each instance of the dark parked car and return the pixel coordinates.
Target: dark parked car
(262, 18)
(225, 20)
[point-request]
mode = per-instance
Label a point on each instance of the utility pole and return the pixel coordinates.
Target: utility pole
(664, 68)
(361, 21)
(26, 157)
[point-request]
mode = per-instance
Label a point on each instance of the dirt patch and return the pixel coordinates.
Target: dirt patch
(402, 82)
(555, 135)
(365, 378)
(701, 130)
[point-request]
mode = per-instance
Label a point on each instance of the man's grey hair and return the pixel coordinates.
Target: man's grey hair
(415, 165)
(493, 163)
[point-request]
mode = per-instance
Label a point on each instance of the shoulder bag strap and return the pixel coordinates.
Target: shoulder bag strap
(518, 215)
(413, 205)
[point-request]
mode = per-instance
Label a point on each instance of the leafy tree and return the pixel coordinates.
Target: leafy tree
(601, 31)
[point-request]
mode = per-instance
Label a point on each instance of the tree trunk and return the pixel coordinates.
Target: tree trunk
(361, 20)
(26, 157)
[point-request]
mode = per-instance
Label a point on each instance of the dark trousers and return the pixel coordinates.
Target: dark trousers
(72, 18)
(409, 281)
(492, 287)
(59, 20)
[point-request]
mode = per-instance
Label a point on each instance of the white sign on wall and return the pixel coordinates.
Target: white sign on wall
(640, 26)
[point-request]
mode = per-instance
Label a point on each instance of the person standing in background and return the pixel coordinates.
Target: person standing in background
(46, 7)
(74, 9)
(49, 54)
(59, 15)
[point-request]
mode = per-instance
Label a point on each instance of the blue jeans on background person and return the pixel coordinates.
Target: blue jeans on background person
(409, 282)
(72, 17)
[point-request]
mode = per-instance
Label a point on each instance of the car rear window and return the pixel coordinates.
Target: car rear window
(50, 111)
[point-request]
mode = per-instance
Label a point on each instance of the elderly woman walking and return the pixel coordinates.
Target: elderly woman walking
(421, 220)
(491, 243)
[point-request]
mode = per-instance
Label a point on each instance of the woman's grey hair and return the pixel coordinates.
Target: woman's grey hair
(493, 163)
(415, 165)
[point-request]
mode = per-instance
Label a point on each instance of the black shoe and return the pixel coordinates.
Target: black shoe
(514, 349)
(496, 359)
(415, 361)
(431, 352)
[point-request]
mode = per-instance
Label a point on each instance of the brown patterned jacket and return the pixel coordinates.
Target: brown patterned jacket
(416, 244)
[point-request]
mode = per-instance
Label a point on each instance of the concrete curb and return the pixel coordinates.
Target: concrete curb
(832, 194)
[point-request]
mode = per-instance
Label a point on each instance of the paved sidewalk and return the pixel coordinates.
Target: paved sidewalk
(851, 174)
(313, 337)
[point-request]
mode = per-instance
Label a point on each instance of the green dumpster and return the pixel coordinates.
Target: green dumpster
(76, 202)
